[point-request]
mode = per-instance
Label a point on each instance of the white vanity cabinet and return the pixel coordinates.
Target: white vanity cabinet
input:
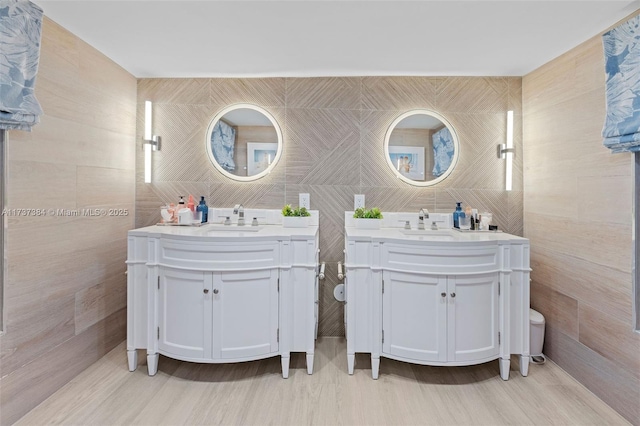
(439, 318)
(441, 297)
(218, 315)
(203, 294)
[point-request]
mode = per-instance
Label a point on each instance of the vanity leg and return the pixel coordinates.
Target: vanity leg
(309, 362)
(351, 361)
(152, 364)
(505, 364)
(375, 366)
(284, 360)
(524, 365)
(132, 356)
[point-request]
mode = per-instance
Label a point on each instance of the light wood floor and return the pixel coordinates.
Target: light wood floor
(254, 393)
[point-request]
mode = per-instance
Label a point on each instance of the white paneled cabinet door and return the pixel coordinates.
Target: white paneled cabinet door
(245, 314)
(184, 311)
(414, 316)
(473, 317)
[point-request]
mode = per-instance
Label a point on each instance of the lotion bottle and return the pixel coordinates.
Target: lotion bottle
(203, 209)
(191, 204)
(456, 215)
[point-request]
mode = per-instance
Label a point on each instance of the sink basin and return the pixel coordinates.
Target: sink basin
(428, 234)
(233, 228)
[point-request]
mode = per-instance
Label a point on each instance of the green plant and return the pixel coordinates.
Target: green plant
(363, 213)
(297, 212)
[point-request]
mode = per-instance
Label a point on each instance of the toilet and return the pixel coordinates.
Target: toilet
(536, 337)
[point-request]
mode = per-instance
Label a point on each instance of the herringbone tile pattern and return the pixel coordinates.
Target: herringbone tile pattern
(333, 130)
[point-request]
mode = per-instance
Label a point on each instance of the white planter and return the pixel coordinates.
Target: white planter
(368, 223)
(295, 221)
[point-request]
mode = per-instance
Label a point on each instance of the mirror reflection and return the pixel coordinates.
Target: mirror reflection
(421, 147)
(244, 142)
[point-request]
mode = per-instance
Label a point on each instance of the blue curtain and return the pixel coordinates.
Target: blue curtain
(223, 142)
(621, 130)
(20, 31)
(442, 151)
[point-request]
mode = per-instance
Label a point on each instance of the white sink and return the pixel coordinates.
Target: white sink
(232, 228)
(428, 234)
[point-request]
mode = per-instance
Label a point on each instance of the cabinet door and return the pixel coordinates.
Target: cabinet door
(245, 314)
(414, 315)
(184, 311)
(473, 317)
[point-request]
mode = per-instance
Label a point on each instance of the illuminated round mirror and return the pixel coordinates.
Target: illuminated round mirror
(244, 142)
(421, 147)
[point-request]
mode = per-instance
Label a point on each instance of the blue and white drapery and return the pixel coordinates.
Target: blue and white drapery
(621, 130)
(20, 32)
(223, 142)
(443, 149)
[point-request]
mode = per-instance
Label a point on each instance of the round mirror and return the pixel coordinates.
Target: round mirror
(244, 142)
(421, 147)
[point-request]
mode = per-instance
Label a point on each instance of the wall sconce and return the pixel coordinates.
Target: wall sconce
(506, 151)
(150, 142)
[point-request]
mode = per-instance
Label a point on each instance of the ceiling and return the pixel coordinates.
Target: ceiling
(303, 38)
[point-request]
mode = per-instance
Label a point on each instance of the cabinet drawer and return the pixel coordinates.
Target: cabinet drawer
(218, 256)
(442, 259)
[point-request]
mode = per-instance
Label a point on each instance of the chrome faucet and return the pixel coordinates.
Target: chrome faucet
(422, 215)
(239, 210)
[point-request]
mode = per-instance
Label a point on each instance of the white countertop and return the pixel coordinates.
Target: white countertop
(232, 233)
(441, 236)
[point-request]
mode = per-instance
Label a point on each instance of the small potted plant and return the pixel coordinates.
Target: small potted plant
(363, 218)
(295, 218)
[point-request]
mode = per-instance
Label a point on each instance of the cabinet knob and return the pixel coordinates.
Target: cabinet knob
(215, 291)
(206, 290)
(453, 295)
(443, 294)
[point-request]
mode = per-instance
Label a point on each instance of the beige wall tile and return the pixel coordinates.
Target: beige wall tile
(606, 379)
(33, 382)
(472, 94)
(193, 91)
(264, 92)
(323, 147)
(40, 185)
(324, 93)
(81, 154)
(31, 331)
(399, 93)
(601, 286)
(575, 235)
(610, 337)
(105, 187)
(577, 204)
(560, 311)
(93, 304)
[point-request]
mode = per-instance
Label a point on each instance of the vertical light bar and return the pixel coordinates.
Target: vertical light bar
(509, 153)
(147, 142)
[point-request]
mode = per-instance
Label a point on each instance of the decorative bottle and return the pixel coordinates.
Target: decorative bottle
(203, 209)
(456, 215)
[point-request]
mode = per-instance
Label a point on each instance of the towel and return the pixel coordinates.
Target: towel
(20, 33)
(621, 130)
(223, 142)
(443, 149)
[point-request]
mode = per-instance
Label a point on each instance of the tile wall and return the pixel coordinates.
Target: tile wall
(577, 214)
(65, 292)
(333, 131)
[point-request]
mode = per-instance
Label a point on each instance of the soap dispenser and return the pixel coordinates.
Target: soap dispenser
(203, 209)
(456, 215)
